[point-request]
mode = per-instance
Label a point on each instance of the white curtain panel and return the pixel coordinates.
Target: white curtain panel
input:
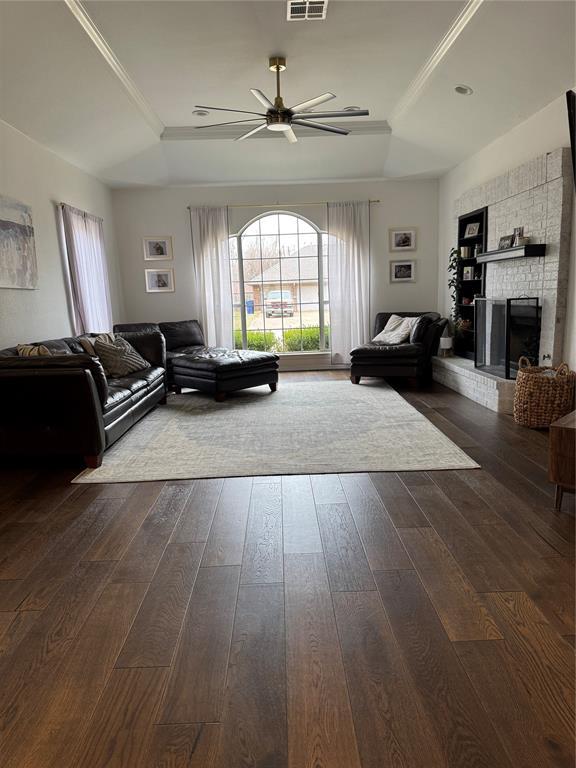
(89, 290)
(348, 277)
(212, 270)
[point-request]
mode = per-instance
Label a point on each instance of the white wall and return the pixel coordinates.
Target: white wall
(163, 211)
(39, 178)
(543, 132)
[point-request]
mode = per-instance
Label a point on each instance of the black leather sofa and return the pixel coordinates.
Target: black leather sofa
(411, 359)
(64, 404)
(215, 370)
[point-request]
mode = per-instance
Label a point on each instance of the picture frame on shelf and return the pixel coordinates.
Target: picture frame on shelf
(402, 239)
(472, 229)
(159, 280)
(507, 241)
(402, 271)
(158, 248)
(468, 273)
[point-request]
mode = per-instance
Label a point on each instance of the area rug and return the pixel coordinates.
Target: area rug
(303, 428)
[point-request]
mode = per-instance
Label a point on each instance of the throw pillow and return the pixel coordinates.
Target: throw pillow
(396, 331)
(87, 342)
(118, 356)
(32, 350)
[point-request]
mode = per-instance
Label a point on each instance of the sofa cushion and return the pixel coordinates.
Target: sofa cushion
(140, 380)
(118, 357)
(182, 333)
(382, 352)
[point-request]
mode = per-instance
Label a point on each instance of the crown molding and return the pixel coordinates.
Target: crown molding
(226, 132)
(417, 85)
(137, 97)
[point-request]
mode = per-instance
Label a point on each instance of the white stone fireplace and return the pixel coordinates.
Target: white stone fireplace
(537, 196)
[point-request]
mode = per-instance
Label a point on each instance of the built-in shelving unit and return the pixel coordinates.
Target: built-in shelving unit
(470, 287)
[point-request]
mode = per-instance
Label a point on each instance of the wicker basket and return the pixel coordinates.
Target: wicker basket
(540, 399)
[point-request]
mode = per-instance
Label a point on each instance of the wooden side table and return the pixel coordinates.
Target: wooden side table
(562, 456)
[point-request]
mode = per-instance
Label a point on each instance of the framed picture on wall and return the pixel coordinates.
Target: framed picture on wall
(402, 239)
(159, 280)
(158, 248)
(402, 271)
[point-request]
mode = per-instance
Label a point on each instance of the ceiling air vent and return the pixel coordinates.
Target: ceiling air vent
(306, 10)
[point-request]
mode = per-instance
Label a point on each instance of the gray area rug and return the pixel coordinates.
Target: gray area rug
(303, 428)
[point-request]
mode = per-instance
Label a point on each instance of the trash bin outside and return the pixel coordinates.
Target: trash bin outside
(249, 306)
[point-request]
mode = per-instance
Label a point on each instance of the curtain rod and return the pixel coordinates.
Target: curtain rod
(286, 205)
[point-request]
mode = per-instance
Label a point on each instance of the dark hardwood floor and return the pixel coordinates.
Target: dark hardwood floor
(410, 620)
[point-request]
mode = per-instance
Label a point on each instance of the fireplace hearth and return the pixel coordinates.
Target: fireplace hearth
(506, 329)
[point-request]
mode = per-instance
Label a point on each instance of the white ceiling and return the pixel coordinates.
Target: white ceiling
(56, 87)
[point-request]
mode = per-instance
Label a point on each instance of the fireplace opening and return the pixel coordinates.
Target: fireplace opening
(506, 329)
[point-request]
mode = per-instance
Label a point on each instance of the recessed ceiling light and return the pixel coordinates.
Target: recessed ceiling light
(350, 109)
(200, 112)
(464, 90)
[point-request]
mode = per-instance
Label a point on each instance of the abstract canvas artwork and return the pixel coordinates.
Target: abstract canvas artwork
(18, 267)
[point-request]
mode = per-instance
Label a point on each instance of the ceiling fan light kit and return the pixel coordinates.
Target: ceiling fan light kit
(279, 118)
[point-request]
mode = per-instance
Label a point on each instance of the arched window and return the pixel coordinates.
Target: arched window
(280, 285)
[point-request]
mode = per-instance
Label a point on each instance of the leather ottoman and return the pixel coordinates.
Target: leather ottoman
(219, 371)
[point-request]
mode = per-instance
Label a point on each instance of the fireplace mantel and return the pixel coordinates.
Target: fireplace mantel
(518, 252)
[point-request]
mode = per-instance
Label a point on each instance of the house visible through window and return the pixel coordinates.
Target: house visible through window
(280, 285)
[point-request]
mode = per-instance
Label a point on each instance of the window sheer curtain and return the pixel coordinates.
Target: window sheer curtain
(348, 277)
(88, 287)
(213, 283)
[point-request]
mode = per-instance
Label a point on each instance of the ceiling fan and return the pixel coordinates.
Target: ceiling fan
(280, 118)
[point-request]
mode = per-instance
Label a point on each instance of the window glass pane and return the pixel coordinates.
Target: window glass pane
(288, 224)
(305, 228)
(254, 316)
(233, 247)
(269, 225)
(234, 270)
(250, 247)
(253, 229)
(309, 271)
(288, 245)
(271, 273)
(290, 275)
(293, 340)
(311, 339)
(269, 247)
(308, 245)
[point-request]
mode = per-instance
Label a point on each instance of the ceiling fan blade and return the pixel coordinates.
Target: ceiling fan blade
(264, 100)
(343, 113)
(231, 122)
(291, 136)
(321, 127)
(312, 102)
(226, 109)
(251, 133)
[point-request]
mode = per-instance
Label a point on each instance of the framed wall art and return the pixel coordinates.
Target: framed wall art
(158, 248)
(159, 280)
(402, 239)
(402, 271)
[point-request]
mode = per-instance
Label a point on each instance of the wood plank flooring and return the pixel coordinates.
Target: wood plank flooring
(414, 620)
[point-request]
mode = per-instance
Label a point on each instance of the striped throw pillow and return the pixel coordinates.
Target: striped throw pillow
(118, 357)
(87, 342)
(32, 350)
